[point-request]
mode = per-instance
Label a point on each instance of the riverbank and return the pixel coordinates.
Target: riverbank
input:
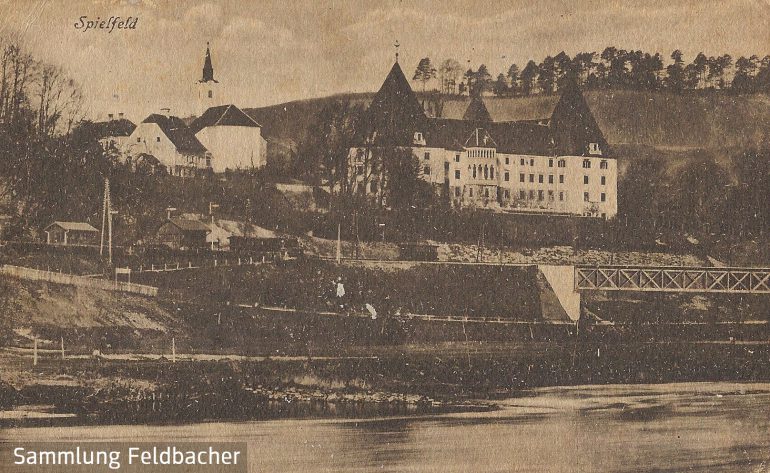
(388, 381)
(136, 390)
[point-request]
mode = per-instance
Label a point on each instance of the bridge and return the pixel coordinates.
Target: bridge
(674, 279)
(568, 282)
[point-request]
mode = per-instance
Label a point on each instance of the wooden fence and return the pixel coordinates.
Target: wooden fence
(74, 280)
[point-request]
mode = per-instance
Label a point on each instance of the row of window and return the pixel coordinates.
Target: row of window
(480, 172)
(490, 153)
(538, 195)
(139, 139)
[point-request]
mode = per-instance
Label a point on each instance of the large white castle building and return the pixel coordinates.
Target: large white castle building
(534, 155)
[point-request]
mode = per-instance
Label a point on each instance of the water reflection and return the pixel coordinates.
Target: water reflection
(643, 428)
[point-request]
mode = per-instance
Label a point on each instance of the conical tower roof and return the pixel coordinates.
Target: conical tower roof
(395, 109)
(208, 69)
(477, 110)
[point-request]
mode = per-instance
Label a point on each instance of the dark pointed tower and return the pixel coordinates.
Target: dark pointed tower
(208, 69)
(477, 110)
(395, 113)
(209, 91)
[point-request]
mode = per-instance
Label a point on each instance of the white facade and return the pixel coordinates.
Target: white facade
(234, 147)
(149, 138)
(479, 177)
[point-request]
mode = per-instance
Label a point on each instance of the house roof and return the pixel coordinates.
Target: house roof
(180, 134)
(76, 226)
(477, 111)
(506, 137)
(223, 115)
(119, 127)
(503, 109)
(395, 110)
(187, 225)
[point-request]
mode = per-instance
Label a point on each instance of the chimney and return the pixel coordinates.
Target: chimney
(110, 116)
(120, 115)
(165, 111)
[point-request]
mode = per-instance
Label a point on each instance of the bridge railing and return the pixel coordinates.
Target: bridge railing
(672, 279)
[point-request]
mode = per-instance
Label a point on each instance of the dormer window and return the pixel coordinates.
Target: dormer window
(419, 139)
(593, 148)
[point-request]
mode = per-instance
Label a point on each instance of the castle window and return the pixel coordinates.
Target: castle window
(522, 195)
(550, 196)
(211, 94)
(157, 139)
(561, 196)
(561, 178)
(586, 164)
(604, 181)
(139, 139)
(522, 161)
(531, 195)
(604, 197)
(562, 163)
(585, 196)
(531, 178)
(521, 177)
(507, 160)
(507, 194)
(540, 195)
(540, 178)
(507, 176)
(457, 174)
(550, 163)
(491, 172)
(457, 158)
(550, 179)
(457, 192)
(427, 155)
(585, 179)
(603, 164)
(426, 170)
(532, 161)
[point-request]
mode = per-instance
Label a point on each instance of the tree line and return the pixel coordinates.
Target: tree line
(613, 68)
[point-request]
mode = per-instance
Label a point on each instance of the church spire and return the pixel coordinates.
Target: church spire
(208, 69)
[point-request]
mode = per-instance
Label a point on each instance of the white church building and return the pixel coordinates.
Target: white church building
(221, 138)
(233, 138)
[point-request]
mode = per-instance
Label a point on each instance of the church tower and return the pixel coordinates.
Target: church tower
(209, 89)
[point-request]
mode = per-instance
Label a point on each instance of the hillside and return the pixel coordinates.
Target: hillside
(630, 120)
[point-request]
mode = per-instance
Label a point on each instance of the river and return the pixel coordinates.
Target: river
(622, 428)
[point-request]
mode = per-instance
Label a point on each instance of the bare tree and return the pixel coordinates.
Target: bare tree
(60, 100)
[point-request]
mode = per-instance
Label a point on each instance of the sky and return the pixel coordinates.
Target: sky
(272, 51)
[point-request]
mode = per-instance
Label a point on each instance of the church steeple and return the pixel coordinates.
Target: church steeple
(208, 69)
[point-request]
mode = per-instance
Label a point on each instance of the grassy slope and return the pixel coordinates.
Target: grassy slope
(413, 288)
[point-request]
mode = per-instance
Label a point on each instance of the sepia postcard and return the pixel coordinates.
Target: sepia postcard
(249, 236)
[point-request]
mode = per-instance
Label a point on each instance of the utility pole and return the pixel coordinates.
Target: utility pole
(212, 206)
(105, 213)
(339, 243)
